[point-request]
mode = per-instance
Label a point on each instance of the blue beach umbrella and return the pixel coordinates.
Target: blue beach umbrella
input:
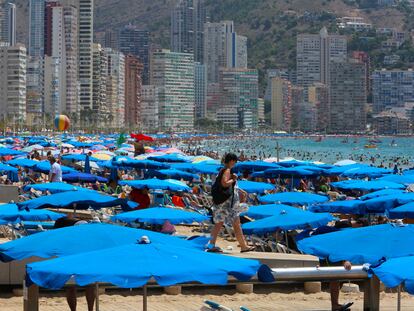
(362, 245)
(363, 185)
(339, 207)
(133, 265)
(366, 171)
(11, 213)
(45, 166)
(399, 179)
(10, 152)
(289, 171)
(10, 171)
(253, 166)
(156, 184)
(77, 239)
(173, 174)
(173, 157)
(83, 199)
(388, 202)
(403, 211)
(77, 157)
(198, 168)
(287, 219)
(267, 210)
(293, 198)
(78, 177)
(338, 170)
(396, 271)
(22, 162)
(254, 187)
(293, 163)
(158, 215)
(53, 187)
(381, 193)
(138, 164)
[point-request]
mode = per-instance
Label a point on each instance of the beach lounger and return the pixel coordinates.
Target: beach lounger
(216, 306)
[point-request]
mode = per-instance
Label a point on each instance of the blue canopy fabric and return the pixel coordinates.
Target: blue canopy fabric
(83, 238)
(362, 245)
(289, 171)
(133, 265)
(77, 157)
(139, 164)
(53, 187)
(396, 271)
(158, 216)
(399, 179)
(293, 198)
(173, 174)
(267, 210)
(45, 166)
(366, 171)
(199, 168)
(287, 219)
(339, 207)
(385, 203)
(83, 199)
(253, 166)
(10, 152)
(156, 184)
(293, 163)
(381, 193)
(363, 185)
(78, 177)
(22, 162)
(403, 211)
(254, 187)
(10, 171)
(11, 213)
(173, 157)
(338, 170)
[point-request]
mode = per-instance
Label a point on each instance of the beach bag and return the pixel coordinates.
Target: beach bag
(220, 194)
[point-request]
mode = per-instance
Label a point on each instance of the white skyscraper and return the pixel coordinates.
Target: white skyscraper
(223, 48)
(85, 10)
(173, 74)
(315, 53)
(13, 83)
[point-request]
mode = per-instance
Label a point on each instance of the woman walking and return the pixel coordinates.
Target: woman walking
(226, 198)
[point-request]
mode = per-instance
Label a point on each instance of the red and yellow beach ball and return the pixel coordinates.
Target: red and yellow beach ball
(62, 123)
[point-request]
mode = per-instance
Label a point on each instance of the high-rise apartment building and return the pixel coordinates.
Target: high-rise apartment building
(149, 107)
(173, 74)
(70, 19)
(200, 90)
(116, 87)
(13, 83)
(392, 88)
(281, 104)
(8, 23)
(135, 41)
(48, 26)
(133, 92)
(363, 57)
(239, 95)
(318, 97)
(297, 113)
(85, 11)
(223, 48)
(100, 111)
(347, 97)
(315, 53)
(187, 28)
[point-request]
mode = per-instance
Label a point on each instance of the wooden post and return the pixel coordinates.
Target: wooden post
(144, 298)
(30, 297)
(372, 294)
(97, 296)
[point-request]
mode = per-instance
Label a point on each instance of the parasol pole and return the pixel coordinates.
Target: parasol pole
(144, 299)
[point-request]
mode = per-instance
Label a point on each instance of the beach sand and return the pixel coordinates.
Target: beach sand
(192, 300)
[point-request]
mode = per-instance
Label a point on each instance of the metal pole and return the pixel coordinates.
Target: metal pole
(277, 152)
(399, 298)
(144, 299)
(97, 296)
